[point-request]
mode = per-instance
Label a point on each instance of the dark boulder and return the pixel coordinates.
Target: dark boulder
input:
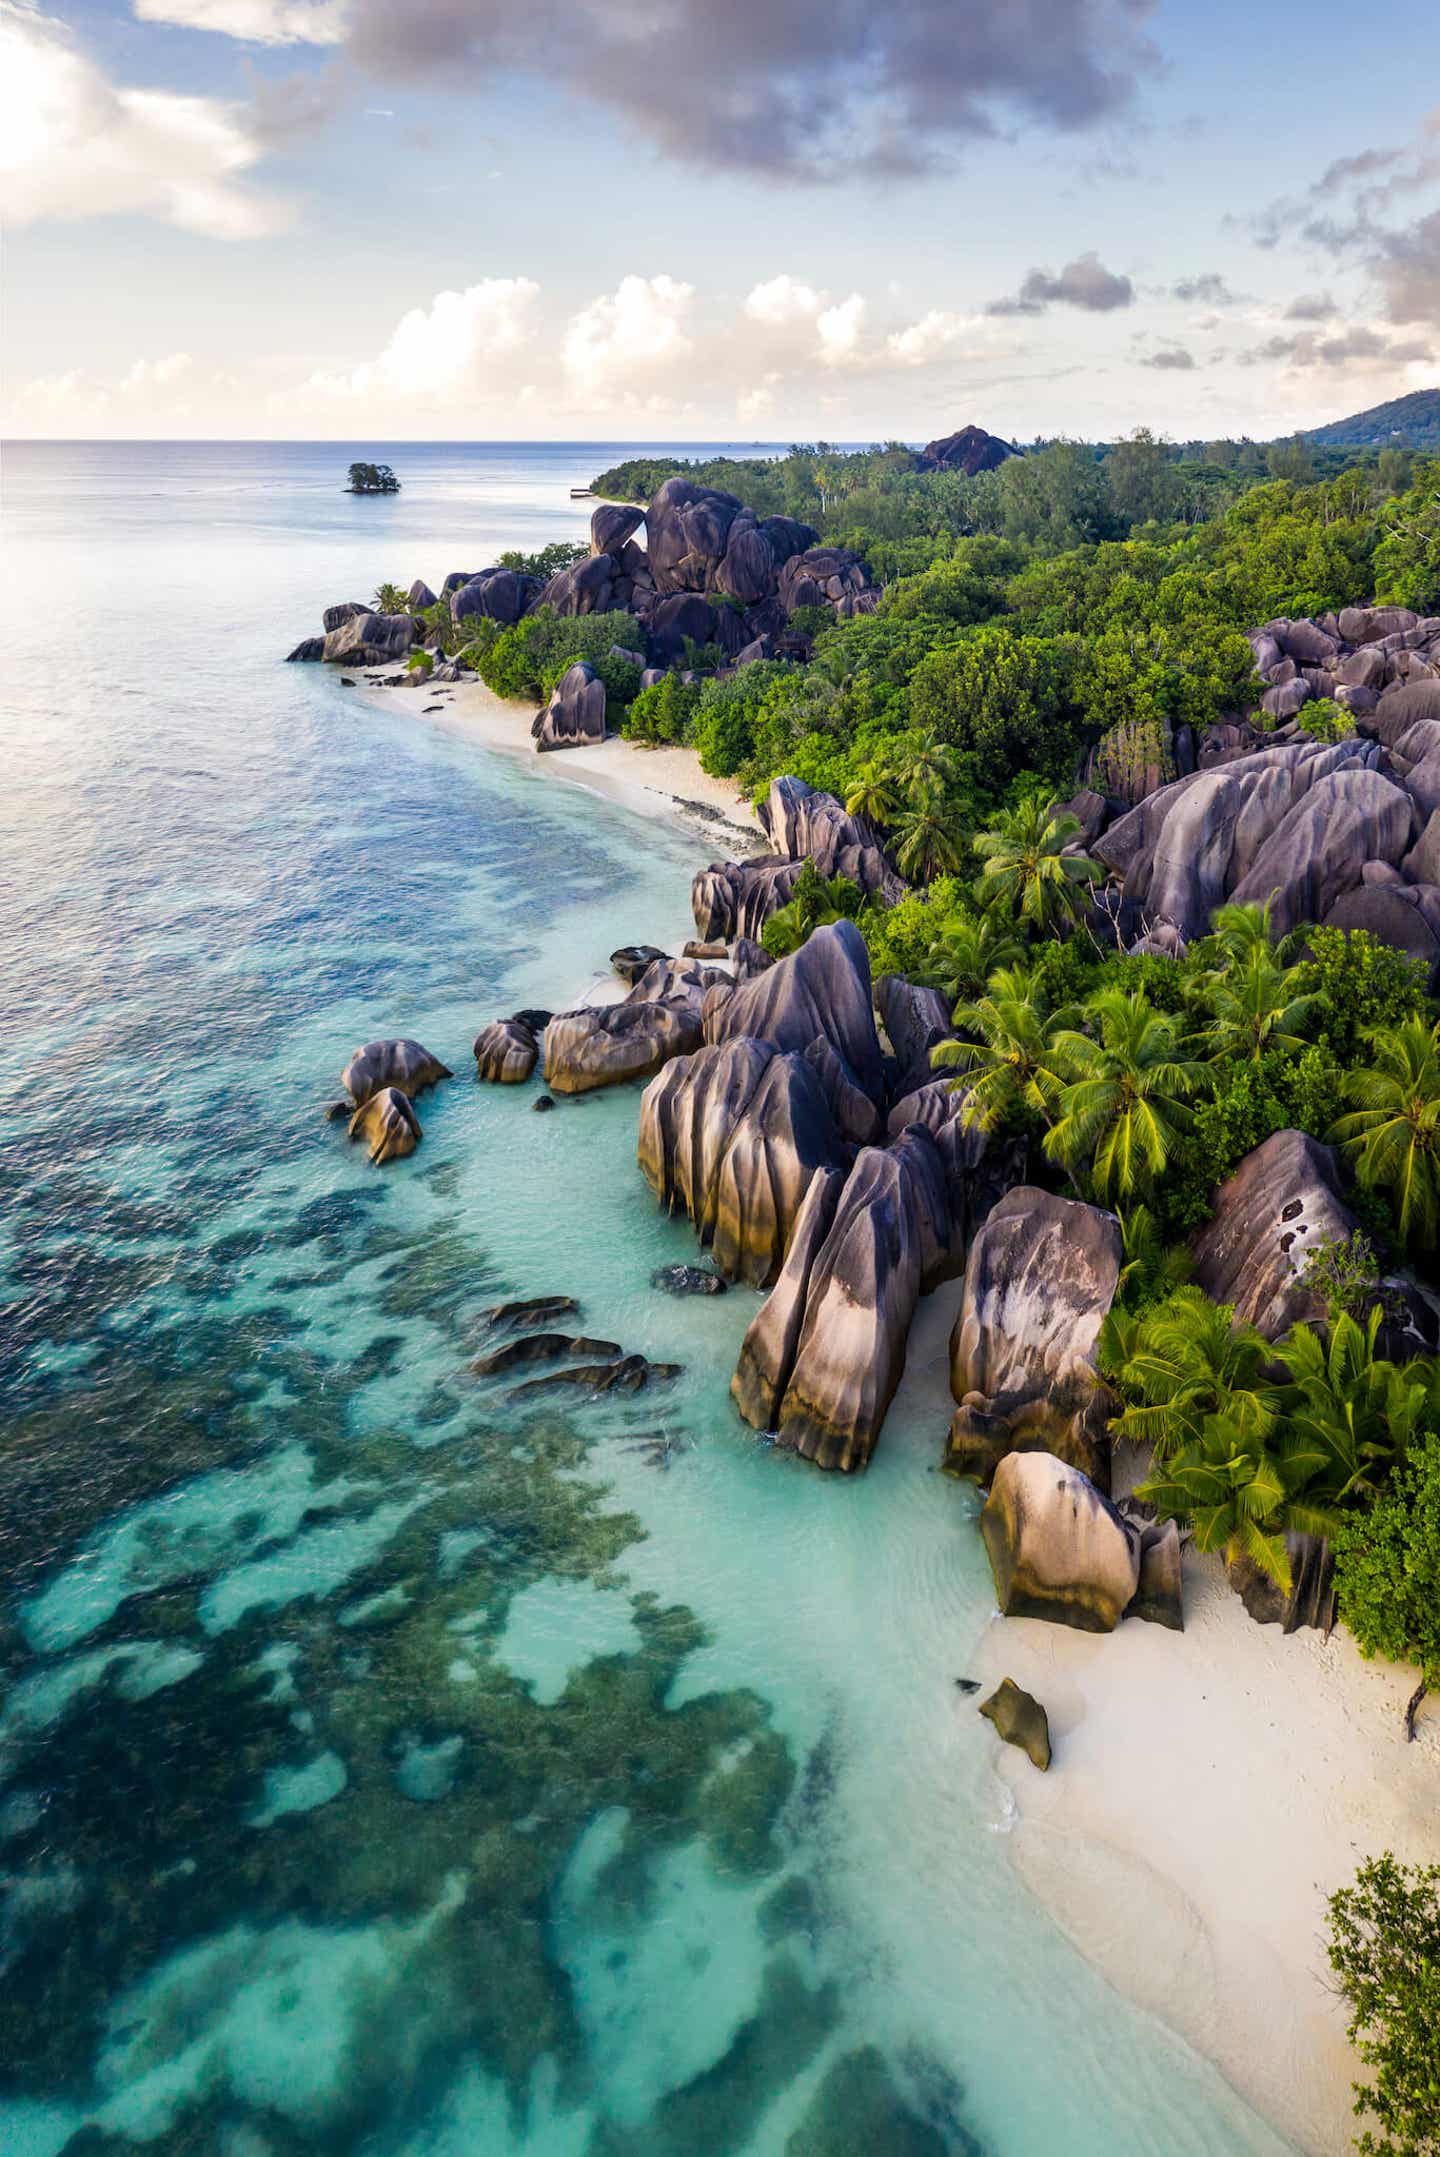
(587, 587)
(632, 961)
(402, 1064)
(824, 576)
(309, 648)
(685, 615)
(970, 451)
(1318, 849)
(687, 532)
(505, 1052)
(388, 1125)
(611, 525)
(1040, 1278)
(688, 1281)
(607, 1044)
(1159, 1598)
(496, 595)
(348, 610)
(1058, 1549)
(1020, 1720)
(1281, 1204)
(420, 596)
(575, 714)
(1310, 1597)
(368, 640)
(822, 991)
(915, 1020)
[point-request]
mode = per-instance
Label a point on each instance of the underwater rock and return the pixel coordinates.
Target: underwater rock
(505, 1052)
(1057, 1547)
(626, 1374)
(542, 1104)
(1020, 1720)
(541, 1348)
(401, 1064)
(388, 1124)
(688, 1281)
(532, 1311)
(1040, 1277)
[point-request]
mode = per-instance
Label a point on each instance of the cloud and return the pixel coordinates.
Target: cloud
(784, 303)
(1171, 357)
(72, 144)
(923, 342)
(816, 90)
(1409, 272)
(258, 22)
(839, 330)
(1209, 289)
(1311, 307)
(617, 345)
(1358, 347)
(456, 345)
(1084, 283)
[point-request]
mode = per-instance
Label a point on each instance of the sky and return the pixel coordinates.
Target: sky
(707, 220)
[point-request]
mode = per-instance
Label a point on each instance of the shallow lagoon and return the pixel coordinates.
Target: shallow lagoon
(386, 1766)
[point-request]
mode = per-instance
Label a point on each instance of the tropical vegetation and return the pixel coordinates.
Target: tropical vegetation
(1384, 1949)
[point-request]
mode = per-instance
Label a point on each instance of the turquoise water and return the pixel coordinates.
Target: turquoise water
(388, 1766)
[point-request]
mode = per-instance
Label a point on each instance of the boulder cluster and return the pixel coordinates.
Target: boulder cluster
(709, 572)
(736, 898)
(970, 451)
(382, 1080)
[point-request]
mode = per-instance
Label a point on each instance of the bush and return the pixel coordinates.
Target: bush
(1006, 697)
(723, 732)
(1384, 1948)
(528, 659)
(1364, 984)
(664, 712)
(1387, 1572)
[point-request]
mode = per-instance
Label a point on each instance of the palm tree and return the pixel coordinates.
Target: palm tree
(1359, 1409)
(968, 950)
(389, 599)
(1256, 1008)
(874, 796)
(1237, 930)
(1181, 1364)
(1148, 1267)
(1124, 1106)
(1393, 1131)
(1241, 1493)
(926, 843)
(1026, 863)
(926, 769)
(1012, 1062)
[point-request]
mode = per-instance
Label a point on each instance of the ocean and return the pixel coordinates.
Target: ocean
(389, 1764)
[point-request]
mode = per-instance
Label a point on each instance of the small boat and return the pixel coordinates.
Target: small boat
(581, 494)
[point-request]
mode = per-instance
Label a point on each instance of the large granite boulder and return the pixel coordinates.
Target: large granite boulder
(420, 596)
(1057, 1547)
(309, 648)
(1281, 1204)
(687, 529)
(612, 524)
(495, 595)
(685, 617)
(402, 1063)
(970, 451)
(388, 1125)
(1310, 1597)
(1367, 625)
(575, 714)
(827, 576)
(370, 640)
(736, 898)
(1040, 1277)
(1318, 849)
(606, 1044)
(1159, 1598)
(821, 992)
(799, 820)
(822, 1359)
(916, 1020)
(505, 1052)
(345, 610)
(587, 587)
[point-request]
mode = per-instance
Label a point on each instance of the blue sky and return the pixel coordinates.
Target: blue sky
(777, 218)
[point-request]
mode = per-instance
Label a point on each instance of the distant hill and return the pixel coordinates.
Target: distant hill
(1411, 422)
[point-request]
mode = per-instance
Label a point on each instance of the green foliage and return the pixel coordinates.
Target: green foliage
(1122, 1108)
(1407, 560)
(814, 900)
(1387, 1567)
(372, 479)
(665, 712)
(1392, 1133)
(1008, 1056)
(528, 659)
(1029, 871)
(548, 562)
(1190, 672)
(1181, 1365)
(1384, 1949)
(389, 599)
(1359, 1411)
(1322, 719)
(905, 939)
(1345, 1273)
(1006, 697)
(723, 732)
(1363, 986)
(1241, 1493)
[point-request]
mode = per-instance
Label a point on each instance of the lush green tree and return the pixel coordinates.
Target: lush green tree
(1144, 484)
(1359, 1409)
(1237, 931)
(1183, 1364)
(1384, 1948)
(1392, 1133)
(665, 712)
(389, 599)
(1364, 986)
(1241, 1492)
(372, 479)
(927, 843)
(1387, 1571)
(1029, 870)
(1407, 560)
(968, 950)
(814, 900)
(875, 795)
(528, 659)
(1257, 1008)
(1006, 698)
(1123, 1106)
(1007, 1057)
(548, 562)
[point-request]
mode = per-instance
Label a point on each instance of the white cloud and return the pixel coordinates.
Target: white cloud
(462, 342)
(625, 339)
(156, 374)
(72, 144)
(924, 341)
(258, 22)
(839, 330)
(782, 302)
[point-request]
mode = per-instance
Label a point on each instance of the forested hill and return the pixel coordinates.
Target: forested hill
(1411, 422)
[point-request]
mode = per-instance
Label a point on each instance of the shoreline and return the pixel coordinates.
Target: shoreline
(1209, 1791)
(667, 782)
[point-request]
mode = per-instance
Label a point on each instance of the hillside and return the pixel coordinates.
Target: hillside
(1411, 422)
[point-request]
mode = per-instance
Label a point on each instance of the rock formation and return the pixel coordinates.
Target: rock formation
(1057, 1548)
(1281, 1204)
(821, 992)
(1020, 1720)
(632, 961)
(970, 451)
(402, 1064)
(388, 1124)
(575, 714)
(369, 640)
(1159, 1597)
(1310, 1598)
(734, 899)
(1040, 1277)
(605, 1044)
(506, 1051)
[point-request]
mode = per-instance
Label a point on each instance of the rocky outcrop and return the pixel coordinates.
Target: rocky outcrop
(828, 576)
(309, 648)
(1020, 1720)
(612, 525)
(506, 1052)
(402, 1064)
(575, 714)
(734, 899)
(915, 1020)
(1040, 1277)
(702, 540)
(606, 1044)
(970, 451)
(800, 820)
(1281, 1204)
(821, 992)
(821, 1361)
(1310, 1597)
(1159, 1598)
(1057, 1547)
(495, 595)
(1317, 851)
(388, 1125)
(633, 961)
(369, 640)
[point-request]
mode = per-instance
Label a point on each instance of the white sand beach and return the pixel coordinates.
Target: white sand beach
(1208, 1792)
(652, 782)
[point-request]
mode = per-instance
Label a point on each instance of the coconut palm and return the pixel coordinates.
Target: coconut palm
(1361, 1410)
(1148, 1266)
(389, 599)
(1123, 1108)
(1392, 1134)
(1237, 930)
(1026, 864)
(1183, 1363)
(968, 950)
(1011, 1061)
(1256, 1008)
(874, 795)
(1242, 1492)
(926, 768)
(926, 842)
